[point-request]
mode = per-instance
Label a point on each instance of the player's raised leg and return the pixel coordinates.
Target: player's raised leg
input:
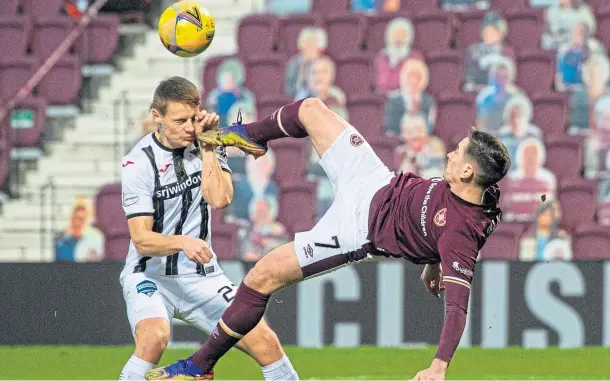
(151, 337)
(307, 117)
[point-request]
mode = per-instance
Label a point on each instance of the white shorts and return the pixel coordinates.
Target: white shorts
(194, 299)
(356, 174)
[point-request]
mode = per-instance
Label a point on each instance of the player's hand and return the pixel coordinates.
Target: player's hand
(431, 277)
(435, 372)
(206, 121)
(195, 249)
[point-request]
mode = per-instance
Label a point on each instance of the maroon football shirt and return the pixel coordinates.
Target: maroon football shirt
(422, 221)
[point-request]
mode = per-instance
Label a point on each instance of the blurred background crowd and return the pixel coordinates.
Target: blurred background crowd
(413, 76)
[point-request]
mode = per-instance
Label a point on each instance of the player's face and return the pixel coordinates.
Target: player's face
(457, 167)
(177, 125)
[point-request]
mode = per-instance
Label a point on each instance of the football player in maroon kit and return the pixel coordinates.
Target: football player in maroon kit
(441, 223)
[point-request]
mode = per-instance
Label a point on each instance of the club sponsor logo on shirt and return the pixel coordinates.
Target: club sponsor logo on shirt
(424, 207)
(440, 218)
(176, 189)
(356, 140)
(146, 287)
(130, 199)
(456, 267)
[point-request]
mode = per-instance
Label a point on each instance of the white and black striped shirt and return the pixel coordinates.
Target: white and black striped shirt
(165, 183)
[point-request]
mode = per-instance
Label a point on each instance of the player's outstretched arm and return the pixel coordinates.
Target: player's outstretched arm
(153, 244)
(216, 182)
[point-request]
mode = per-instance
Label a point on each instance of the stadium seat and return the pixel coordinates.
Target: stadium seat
(291, 26)
(469, 28)
(564, 156)
(524, 28)
(297, 203)
(550, 113)
(355, 73)
(535, 71)
(9, 7)
(30, 137)
(366, 113)
(603, 213)
(14, 73)
(109, 215)
(385, 147)
(291, 159)
(328, 7)
(503, 243)
(225, 241)
(591, 242)
(267, 106)
(418, 5)
(433, 30)
(217, 217)
(446, 71)
(577, 198)
(506, 5)
(265, 75)
(102, 36)
(14, 33)
(116, 246)
(455, 115)
(346, 33)
(375, 35)
(210, 69)
(49, 32)
(603, 25)
(61, 85)
(257, 34)
(50, 8)
(5, 163)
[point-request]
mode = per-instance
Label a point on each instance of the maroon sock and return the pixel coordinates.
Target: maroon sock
(241, 317)
(269, 129)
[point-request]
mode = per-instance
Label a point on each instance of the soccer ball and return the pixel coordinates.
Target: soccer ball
(186, 28)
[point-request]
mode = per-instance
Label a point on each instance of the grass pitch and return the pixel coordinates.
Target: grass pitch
(364, 363)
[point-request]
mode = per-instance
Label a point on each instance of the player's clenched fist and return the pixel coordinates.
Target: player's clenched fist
(196, 249)
(206, 121)
(431, 277)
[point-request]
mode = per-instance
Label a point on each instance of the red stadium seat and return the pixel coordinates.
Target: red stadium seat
(603, 25)
(577, 198)
(14, 33)
(34, 8)
(268, 105)
(418, 5)
(564, 156)
(210, 69)
(265, 75)
(217, 217)
(291, 26)
(326, 7)
(455, 114)
(116, 246)
(14, 73)
(551, 113)
(257, 34)
(535, 71)
(31, 137)
(433, 30)
(102, 36)
(503, 243)
(366, 113)
(385, 147)
(109, 215)
(346, 33)
(355, 73)
(297, 203)
(469, 28)
(9, 7)
(446, 71)
(62, 83)
(49, 32)
(375, 36)
(506, 5)
(524, 28)
(591, 242)
(225, 241)
(291, 158)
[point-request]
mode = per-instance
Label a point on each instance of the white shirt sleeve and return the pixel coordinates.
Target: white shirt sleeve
(221, 155)
(137, 183)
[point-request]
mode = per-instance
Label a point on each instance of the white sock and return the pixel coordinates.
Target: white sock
(135, 369)
(280, 370)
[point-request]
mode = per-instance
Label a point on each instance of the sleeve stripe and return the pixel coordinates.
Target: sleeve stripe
(226, 169)
(455, 280)
(139, 215)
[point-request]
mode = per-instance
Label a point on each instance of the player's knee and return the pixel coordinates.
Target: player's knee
(151, 341)
(261, 278)
(311, 107)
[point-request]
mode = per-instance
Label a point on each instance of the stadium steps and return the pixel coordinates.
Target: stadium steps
(89, 155)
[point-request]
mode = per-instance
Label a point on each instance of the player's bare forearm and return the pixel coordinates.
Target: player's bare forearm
(216, 184)
(153, 244)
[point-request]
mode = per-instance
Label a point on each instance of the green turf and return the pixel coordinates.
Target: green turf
(54, 363)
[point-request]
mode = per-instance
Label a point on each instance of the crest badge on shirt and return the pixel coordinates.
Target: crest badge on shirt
(356, 140)
(440, 218)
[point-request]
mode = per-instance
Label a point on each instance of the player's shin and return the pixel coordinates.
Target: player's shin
(244, 313)
(284, 122)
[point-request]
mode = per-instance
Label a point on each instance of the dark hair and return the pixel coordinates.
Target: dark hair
(175, 89)
(490, 155)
